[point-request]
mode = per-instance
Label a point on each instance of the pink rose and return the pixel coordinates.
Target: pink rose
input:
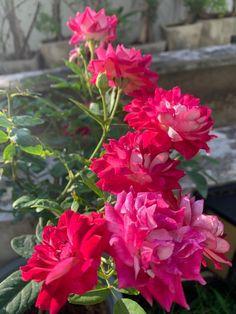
(156, 245)
(68, 258)
(126, 68)
(152, 249)
(186, 122)
(91, 25)
(209, 225)
(140, 160)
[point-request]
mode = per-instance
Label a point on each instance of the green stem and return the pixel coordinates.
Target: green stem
(106, 127)
(104, 105)
(104, 134)
(91, 49)
(87, 76)
(69, 184)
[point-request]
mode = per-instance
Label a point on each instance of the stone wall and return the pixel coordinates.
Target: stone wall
(169, 12)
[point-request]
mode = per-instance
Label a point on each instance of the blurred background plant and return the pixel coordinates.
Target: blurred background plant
(51, 25)
(202, 8)
(149, 17)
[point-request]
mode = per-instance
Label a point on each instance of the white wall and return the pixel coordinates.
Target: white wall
(169, 12)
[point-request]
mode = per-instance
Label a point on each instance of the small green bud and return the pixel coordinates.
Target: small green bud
(102, 82)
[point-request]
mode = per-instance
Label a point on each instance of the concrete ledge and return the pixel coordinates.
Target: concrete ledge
(207, 73)
(187, 59)
(223, 149)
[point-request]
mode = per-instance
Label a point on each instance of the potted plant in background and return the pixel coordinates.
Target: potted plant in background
(21, 58)
(218, 24)
(189, 34)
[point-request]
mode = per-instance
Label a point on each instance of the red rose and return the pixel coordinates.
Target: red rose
(181, 116)
(68, 258)
(140, 160)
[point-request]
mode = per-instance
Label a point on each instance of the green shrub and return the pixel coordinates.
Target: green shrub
(200, 7)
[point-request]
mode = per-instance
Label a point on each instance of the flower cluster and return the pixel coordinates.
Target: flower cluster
(156, 236)
(156, 245)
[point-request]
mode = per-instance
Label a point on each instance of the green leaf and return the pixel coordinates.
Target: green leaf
(9, 152)
(16, 296)
(127, 306)
(39, 204)
(110, 99)
(24, 245)
(21, 201)
(91, 297)
(4, 122)
(130, 291)
(73, 67)
(26, 121)
(95, 109)
(3, 137)
(200, 182)
(23, 137)
(33, 150)
(88, 112)
(39, 229)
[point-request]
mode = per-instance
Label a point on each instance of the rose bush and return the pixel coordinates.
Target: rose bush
(132, 229)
